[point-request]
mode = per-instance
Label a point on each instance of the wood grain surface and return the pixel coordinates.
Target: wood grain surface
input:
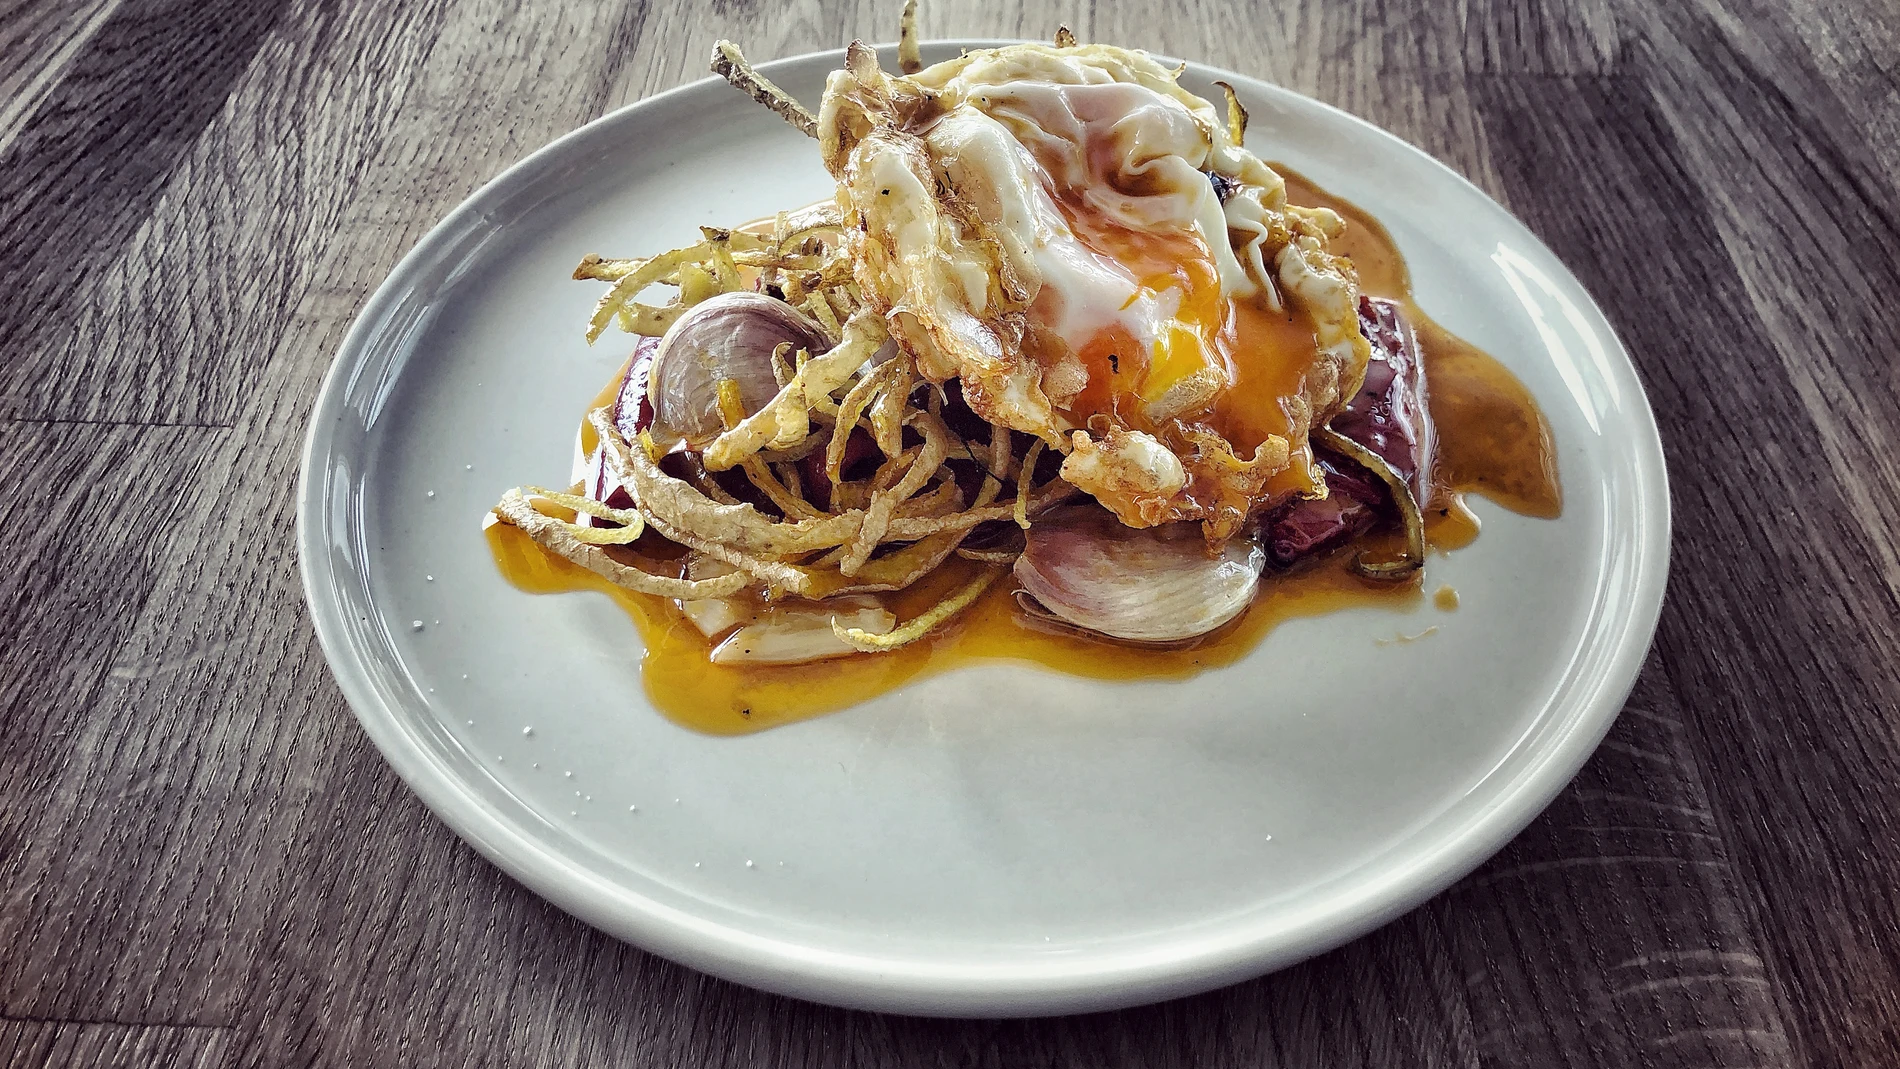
(203, 862)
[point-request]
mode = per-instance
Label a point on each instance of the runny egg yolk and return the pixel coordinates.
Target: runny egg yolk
(1263, 355)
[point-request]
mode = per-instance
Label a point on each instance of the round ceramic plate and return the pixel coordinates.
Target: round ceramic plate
(999, 839)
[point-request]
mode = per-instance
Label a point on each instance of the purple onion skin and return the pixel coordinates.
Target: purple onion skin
(633, 409)
(1300, 529)
(633, 413)
(1389, 416)
(1150, 584)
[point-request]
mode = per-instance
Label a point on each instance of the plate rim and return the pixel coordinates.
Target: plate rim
(902, 985)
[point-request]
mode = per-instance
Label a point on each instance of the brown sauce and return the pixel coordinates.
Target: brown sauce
(1493, 440)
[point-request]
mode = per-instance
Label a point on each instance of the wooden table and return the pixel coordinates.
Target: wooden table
(203, 861)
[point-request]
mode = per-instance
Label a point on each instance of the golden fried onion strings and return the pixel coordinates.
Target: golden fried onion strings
(671, 504)
(557, 537)
(850, 410)
(730, 63)
(820, 376)
(908, 633)
(894, 571)
(887, 411)
(989, 556)
(877, 518)
(632, 523)
(645, 319)
(725, 270)
(1020, 511)
(629, 285)
(909, 59)
(788, 500)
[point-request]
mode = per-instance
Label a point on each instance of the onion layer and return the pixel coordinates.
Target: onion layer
(1154, 584)
(730, 337)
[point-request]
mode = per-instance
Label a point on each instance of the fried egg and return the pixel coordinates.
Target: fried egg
(1080, 242)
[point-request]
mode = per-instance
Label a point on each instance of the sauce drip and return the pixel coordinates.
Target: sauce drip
(1492, 440)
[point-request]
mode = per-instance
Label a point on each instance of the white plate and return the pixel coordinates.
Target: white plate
(997, 840)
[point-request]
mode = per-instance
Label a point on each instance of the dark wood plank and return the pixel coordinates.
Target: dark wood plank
(79, 178)
(1824, 56)
(68, 601)
(208, 756)
(1782, 539)
(38, 39)
(1611, 932)
(183, 301)
(1810, 718)
(29, 1044)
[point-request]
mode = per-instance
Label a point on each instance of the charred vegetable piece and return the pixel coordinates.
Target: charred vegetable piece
(811, 470)
(1409, 517)
(1389, 417)
(730, 63)
(1304, 528)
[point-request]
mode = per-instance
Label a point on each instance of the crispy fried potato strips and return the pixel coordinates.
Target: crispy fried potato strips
(632, 524)
(1020, 511)
(877, 518)
(801, 255)
(629, 285)
(850, 410)
(880, 533)
(678, 504)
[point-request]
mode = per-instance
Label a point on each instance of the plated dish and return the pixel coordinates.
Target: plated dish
(1000, 839)
(1060, 372)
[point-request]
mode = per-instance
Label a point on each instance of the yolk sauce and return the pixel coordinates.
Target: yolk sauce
(1264, 355)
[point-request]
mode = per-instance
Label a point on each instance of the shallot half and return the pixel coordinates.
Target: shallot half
(1152, 584)
(730, 337)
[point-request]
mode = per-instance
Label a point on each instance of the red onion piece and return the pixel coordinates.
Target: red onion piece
(633, 411)
(1153, 584)
(1389, 415)
(730, 336)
